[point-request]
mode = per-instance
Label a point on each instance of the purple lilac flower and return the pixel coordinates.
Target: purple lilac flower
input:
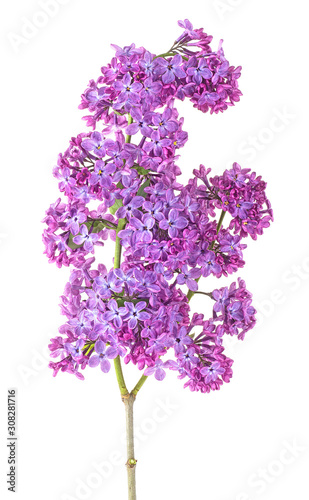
(86, 239)
(222, 299)
(164, 123)
(208, 98)
(231, 244)
(212, 372)
(135, 313)
(143, 228)
(191, 207)
(198, 69)
(188, 278)
(169, 233)
(172, 201)
(66, 181)
(125, 278)
(101, 174)
(142, 122)
(240, 208)
(158, 368)
(154, 209)
(102, 356)
(235, 311)
(188, 27)
(157, 144)
(173, 223)
(170, 69)
(146, 281)
(180, 339)
(127, 51)
(106, 286)
(151, 88)
(147, 64)
(75, 351)
(128, 89)
(96, 144)
(210, 265)
(221, 71)
(188, 358)
(76, 218)
(129, 206)
(81, 325)
(115, 313)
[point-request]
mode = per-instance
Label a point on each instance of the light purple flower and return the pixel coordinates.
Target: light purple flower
(173, 223)
(76, 218)
(232, 244)
(210, 265)
(151, 89)
(128, 90)
(235, 311)
(188, 358)
(135, 313)
(102, 174)
(65, 178)
(115, 313)
(96, 144)
(147, 64)
(212, 372)
(143, 228)
(105, 286)
(188, 278)
(240, 208)
(222, 299)
(75, 351)
(102, 356)
(86, 239)
(164, 123)
(157, 144)
(208, 98)
(170, 69)
(188, 27)
(198, 69)
(158, 368)
(129, 207)
(221, 71)
(180, 339)
(141, 123)
(154, 209)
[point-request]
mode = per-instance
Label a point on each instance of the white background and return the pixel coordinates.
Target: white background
(234, 444)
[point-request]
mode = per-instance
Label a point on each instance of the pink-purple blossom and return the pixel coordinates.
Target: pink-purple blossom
(120, 183)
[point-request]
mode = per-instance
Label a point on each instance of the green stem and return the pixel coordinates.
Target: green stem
(120, 378)
(118, 247)
(139, 384)
(204, 293)
(166, 54)
(190, 292)
(220, 221)
(128, 137)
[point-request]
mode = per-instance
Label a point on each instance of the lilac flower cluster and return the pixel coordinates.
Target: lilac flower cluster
(169, 235)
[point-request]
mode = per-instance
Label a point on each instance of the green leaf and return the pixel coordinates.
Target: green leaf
(113, 209)
(71, 243)
(141, 170)
(98, 225)
(141, 191)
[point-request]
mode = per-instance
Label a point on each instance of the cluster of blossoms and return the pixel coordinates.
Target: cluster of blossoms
(169, 235)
